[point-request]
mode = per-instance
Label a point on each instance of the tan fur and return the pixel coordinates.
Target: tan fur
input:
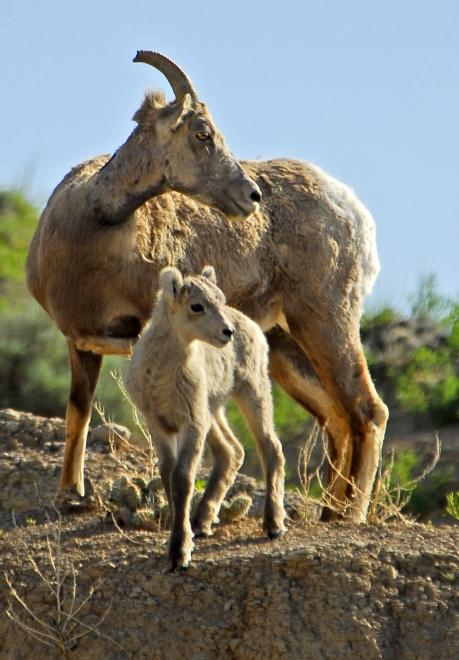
(196, 353)
(304, 260)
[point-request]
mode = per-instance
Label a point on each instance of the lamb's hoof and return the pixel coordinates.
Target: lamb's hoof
(202, 531)
(273, 530)
(203, 534)
(180, 553)
(180, 563)
(275, 533)
(175, 568)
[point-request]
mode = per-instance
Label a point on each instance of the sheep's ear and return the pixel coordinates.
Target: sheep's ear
(152, 105)
(183, 109)
(171, 282)
(209, 273)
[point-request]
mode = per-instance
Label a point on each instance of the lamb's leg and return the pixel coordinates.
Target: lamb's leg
(85, 368)
(228, 456)
(332, 343)
(166, 450)
(190, 448)
(255, 403)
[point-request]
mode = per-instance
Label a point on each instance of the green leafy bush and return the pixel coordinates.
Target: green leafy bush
(377, 318)
(427, 303)
(423, 381)
(18, 219)
(418, 489)
(34, 369)
(405, 463)
(429, 384)
(33, 363)
(452, 504)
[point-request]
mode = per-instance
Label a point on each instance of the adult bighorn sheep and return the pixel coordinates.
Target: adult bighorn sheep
(299, 266)
(195, 354)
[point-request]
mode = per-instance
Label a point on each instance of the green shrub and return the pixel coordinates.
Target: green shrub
(417, 489)
(34, 369)
(378, 318)
(405, 463)
(427, 303)
(33, 363)
(429, 384)
(452, 504)
(18, 219)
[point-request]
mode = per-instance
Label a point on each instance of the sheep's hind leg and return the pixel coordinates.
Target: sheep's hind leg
(257, 408)
(85, 368)
(293, 371)
(228, 457)
(337, 356)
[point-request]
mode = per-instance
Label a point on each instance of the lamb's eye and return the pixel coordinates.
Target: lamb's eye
(203, 135)
(196, 307)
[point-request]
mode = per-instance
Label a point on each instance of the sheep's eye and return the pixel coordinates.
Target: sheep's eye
(196, 307)
(203, 135)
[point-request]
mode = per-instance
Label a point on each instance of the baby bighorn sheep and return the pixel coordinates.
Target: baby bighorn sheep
(196, 353)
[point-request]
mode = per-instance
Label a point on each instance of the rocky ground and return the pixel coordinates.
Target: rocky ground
(322, 591)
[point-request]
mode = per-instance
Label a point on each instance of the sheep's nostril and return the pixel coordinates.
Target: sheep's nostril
(256, 196)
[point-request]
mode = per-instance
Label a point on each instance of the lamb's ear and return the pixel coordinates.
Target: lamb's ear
(209, 273)
(171, 281)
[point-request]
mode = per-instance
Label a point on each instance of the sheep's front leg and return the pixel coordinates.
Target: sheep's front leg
(190, 448)
(85, 369)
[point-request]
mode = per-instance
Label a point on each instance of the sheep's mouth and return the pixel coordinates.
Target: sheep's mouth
(242, 211)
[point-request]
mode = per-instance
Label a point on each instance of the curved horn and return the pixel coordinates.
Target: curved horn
(178, 80)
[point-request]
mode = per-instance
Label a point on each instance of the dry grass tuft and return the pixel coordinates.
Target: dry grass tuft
(63, 625)
(388, 499)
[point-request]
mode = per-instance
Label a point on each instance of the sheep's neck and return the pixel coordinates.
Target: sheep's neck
(131, 177)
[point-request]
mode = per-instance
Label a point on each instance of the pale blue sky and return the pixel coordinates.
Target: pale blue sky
(367, 90)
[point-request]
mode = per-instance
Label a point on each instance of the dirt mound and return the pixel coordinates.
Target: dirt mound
(322, 591)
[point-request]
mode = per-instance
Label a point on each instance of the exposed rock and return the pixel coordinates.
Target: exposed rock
(101, 437)
(322, 591)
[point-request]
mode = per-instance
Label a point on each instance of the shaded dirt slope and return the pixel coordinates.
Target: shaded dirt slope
(323, 591)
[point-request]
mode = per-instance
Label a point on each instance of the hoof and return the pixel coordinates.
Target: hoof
(180, 554)
(201, 527)
(202, 532)
(275, 534)
(180, 563)
(274, 531)
(175, 568)
(68, 500)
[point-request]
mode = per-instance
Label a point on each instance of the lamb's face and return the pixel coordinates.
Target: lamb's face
(196, 306)
(201, 312)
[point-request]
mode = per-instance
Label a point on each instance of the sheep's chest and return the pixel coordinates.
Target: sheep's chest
(174, 399)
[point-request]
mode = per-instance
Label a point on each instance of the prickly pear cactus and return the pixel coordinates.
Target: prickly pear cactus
(143, 504)
(235, 509)
(145, 519)
(137, 502)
